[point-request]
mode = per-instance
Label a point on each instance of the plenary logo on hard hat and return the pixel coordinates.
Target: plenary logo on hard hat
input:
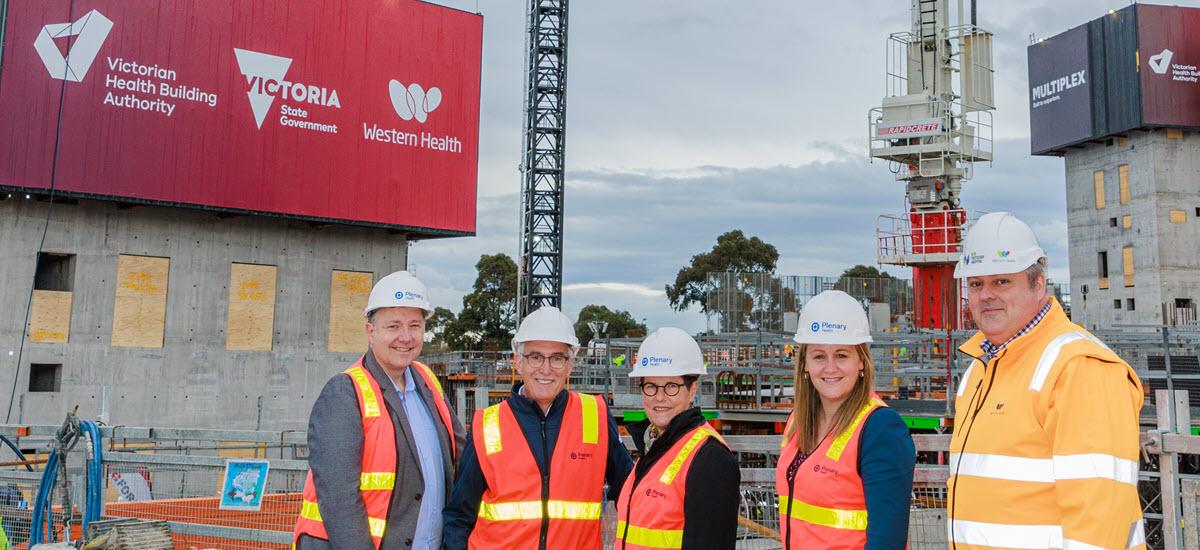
(412, 101)
(826, 326)
(408, 295)
(652, 361)
(815, 326)
(91, 30)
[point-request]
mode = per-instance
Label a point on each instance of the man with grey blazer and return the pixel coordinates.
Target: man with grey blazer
(382, 440)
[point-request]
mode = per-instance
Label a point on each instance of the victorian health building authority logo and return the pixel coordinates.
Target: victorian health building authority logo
(129, 84)
(265, 79)
(1164, 63)
(90, 31)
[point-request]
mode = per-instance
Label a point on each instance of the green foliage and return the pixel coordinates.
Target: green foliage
(489, 313)
(621, 324)
(435, 327)
(733, 252)
(865, 272)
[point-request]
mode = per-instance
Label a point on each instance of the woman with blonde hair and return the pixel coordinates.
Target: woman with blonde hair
(845, 473)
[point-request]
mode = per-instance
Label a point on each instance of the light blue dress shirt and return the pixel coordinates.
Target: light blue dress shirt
(429, 453)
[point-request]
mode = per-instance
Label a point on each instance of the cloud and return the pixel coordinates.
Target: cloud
(689, 119)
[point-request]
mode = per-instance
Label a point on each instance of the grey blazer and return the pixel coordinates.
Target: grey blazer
(335, 443)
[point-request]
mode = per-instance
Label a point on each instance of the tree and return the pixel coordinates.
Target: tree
(870, 284)
(489, 313)
(435, 326)
(620, 323)
(733, 252)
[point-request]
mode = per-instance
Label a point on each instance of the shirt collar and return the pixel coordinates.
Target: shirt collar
(409, 385)
(991, 350)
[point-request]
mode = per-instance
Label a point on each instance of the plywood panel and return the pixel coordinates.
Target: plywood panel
(250, 324)
(1123, 179)
(1098, 183)
(50, 318)
(1178, 216)
(347, 298)
(140, 310)
(1127, 265)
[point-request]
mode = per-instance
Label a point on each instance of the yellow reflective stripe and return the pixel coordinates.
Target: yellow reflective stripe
(377, 526)
(652, 538)
(590, 413)
(491, 429)
(565, 509)
(370, 402)
(828, 517)
(431, 378)
(673, 470)
(839, 445)
(532, 509)
(309, 510)
(377, 481)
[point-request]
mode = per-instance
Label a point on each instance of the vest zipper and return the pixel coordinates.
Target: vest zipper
(545, 489)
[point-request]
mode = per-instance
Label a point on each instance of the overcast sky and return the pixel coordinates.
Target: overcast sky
(689, 118)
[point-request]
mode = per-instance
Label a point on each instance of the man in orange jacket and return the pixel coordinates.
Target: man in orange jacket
(1045, 446)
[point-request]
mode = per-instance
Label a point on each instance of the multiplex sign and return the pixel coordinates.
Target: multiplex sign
(314, 109)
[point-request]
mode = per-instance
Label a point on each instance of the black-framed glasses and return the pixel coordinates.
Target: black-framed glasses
(557, 362)
(670, 388)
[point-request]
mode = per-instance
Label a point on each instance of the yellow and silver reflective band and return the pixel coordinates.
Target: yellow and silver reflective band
(673, 469)
(377, 526)
(491, 429)
(532, 509)
(377, 481)
(1008, 535)
(431, 378)
(828, 517)
(591, 432)
(651, 538)
(370, 402)
(966, 376)
(1045, 470)
(1051, 353)
(839, 444)
(310, 511)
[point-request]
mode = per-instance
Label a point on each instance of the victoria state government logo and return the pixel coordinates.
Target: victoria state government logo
(266, 81)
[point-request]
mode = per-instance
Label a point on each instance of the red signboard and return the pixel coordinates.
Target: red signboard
(353, 111)
(1169, 48)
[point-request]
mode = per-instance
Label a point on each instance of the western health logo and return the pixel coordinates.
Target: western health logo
(91, 30)
(265, 81)
(1160, 62)
(413, 101)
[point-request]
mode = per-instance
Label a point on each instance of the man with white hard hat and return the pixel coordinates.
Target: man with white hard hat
(533, 472)
(684, 491)
(1045, 446)
(382, 439)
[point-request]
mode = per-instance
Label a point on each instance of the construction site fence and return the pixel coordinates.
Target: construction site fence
(183, 474)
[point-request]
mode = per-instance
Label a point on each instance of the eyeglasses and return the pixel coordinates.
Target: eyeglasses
(670, 388)
(557, 361)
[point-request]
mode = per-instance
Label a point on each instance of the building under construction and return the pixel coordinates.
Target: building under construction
(1118, 98)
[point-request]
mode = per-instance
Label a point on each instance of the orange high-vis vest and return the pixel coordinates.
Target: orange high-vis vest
(379, 454)
(520, 506)
(825, 507)
(1045, 447)
(652, 517)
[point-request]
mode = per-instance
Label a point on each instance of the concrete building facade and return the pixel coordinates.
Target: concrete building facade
(259, 312)
(1133, 222)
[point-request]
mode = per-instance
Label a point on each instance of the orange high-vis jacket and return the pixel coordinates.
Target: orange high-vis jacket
(379, 454)
(1045, 446)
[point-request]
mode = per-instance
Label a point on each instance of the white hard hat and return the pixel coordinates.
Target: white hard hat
(833, 317)
(549, 324)
(997, 244)
(400, 289)
(668, 351)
